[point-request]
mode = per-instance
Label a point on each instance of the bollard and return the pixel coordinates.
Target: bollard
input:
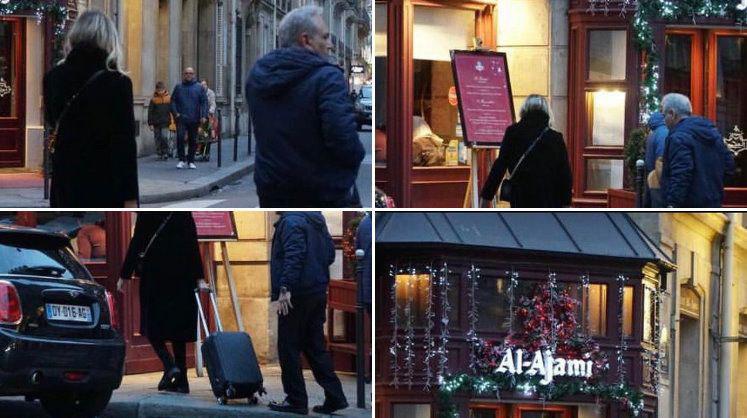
(220, 139)
(236, 133)
(360, 363)
(639, 179)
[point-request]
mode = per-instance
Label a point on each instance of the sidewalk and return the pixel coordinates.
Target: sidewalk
(160, 181)
(137, 397)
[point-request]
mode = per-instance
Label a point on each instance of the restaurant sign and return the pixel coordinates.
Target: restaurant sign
(543, 363)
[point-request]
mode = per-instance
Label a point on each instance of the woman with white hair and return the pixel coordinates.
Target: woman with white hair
(89, 105)
(535, 156)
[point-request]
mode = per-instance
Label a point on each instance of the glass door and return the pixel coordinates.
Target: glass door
(12, 93)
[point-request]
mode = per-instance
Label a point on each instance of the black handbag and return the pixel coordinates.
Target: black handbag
(507, 184)
(140, 261)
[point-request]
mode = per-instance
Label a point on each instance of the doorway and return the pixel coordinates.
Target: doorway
(12, 92)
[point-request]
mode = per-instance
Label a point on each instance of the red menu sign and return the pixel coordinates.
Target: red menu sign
(483, 87)
(215, 226)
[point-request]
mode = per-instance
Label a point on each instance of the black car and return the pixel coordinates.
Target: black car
(363, 104)
(58, 337)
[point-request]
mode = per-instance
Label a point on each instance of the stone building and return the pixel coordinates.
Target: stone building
(704, 313)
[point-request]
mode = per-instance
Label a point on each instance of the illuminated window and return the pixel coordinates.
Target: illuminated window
(649, 314)
(413, 289)
(608, 118)
(594, 310)
(627, 311)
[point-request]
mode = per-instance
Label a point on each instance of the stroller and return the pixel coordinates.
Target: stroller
(207, 134)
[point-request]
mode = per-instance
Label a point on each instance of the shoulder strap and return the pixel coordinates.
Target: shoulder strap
(74, 97)
(158, 231)
(531, 147)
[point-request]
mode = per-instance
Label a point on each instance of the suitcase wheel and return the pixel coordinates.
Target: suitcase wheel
(254, 400)
(222, 400)
(230, 392)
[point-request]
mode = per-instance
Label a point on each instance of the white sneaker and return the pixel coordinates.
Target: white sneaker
(192, 166)
(180, 165)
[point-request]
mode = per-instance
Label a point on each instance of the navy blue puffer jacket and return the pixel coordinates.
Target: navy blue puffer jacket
(302, 251)
(696, 164)
(304, 125)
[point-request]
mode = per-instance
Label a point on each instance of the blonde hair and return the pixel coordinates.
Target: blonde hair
(95, 28)
(535, 102)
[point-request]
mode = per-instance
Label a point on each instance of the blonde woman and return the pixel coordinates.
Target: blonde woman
(543, 178)
(88, 105)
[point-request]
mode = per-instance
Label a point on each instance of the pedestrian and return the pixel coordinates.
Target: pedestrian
(89, 104)
(210, 128)
(363, 242)
(696, 159)
(302, 251)
(654, 159)
(536, 159)
(190, 108)
(165, 255)
(308, 150)
(212, 105)
(159, 119)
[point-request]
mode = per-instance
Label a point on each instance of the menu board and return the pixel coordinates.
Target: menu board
(215, 226)
(483, 88)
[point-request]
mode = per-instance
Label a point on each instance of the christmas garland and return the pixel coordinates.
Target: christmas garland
(547, 322)
(41, 9)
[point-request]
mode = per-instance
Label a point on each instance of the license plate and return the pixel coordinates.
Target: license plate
(75, 313)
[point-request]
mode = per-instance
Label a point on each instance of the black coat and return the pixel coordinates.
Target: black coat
(95, 163)
(171, 270)
(544, 178)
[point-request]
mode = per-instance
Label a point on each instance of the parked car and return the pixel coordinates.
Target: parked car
(58, 328)
(363, 104)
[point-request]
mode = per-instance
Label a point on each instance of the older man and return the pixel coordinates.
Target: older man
(696, 159)
(189, 106)
(308, 151)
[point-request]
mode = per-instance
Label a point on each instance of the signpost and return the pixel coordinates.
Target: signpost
(217, 227)
(485, 100)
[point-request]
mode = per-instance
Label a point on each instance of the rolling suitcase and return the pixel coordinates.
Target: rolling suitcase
(230, 360)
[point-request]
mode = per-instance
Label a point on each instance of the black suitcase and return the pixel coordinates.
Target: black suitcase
(230, 360)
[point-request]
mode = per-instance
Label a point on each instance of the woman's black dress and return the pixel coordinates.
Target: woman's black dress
(171, 271)
(95, 160)
(544, 178)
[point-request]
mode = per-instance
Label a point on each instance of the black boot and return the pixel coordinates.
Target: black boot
(330, 407)
(181, 385)
(286, 407)
(170, 377)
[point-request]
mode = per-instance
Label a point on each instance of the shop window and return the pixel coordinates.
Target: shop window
(380, 85)
(627, 311)
(411, 410)
(594, 310)
(437, 131)
(607, 114)
(731, 99)
(678, 68)
(603, 174)
(414, 288)
(607, 60)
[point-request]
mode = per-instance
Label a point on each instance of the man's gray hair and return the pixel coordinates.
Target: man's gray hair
(679, 103)
(297, 22)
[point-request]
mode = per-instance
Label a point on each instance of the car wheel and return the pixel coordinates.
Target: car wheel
(76, 405)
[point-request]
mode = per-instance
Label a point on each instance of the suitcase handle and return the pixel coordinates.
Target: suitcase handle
(202, 312)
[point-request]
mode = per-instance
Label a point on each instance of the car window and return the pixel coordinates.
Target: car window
(47, 262)
(366, 92)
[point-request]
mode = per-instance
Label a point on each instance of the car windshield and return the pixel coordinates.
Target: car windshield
(48, 262)
(366, 92)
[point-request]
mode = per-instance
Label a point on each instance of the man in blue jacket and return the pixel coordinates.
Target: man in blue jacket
(696, 159)
(302, 251)
(654, 159)
(308, 151)
(189, 105)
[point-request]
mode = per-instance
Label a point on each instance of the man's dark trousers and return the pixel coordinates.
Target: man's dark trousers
(189, 129)
(302, 331)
